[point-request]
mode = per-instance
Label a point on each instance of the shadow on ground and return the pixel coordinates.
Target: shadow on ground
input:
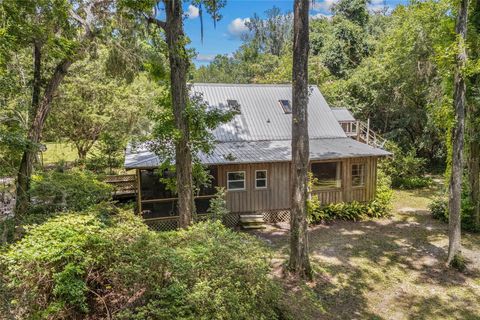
(388, 269)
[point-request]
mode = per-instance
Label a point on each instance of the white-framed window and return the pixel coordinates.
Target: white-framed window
(260, 179)
(358, 175)
(327, 175)
(236, 180)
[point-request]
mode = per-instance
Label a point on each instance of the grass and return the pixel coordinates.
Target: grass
(392, 268)
(59, 151)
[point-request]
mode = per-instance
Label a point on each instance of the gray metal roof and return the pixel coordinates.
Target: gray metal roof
(262, 117)
(342, 114)
(262, 151)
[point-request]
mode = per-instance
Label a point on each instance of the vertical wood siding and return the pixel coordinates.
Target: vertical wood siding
(275, 196)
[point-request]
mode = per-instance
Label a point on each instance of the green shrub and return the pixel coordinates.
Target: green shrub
(377, 208)
(97, 263)
(439, 210)
(69, 190)
(409, 183)
(405, 168)
(217, 209)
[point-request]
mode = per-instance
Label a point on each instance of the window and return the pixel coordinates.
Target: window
(236, 180)
(358, 175)
(261, 179)
(234, 105)
(286, 106)
(327, 175)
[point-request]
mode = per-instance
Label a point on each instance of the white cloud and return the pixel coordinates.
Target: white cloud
(192, 12)
(237, 28)
(320, 16)
(378, 5)
(205, 57)
(324, 6)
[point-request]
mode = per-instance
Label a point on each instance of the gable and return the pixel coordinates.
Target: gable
(262, 116)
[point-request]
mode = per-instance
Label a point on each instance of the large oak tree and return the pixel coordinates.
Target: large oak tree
(172, 26)
(299, 262)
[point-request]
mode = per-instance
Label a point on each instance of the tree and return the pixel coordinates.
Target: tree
(299, 262)
(91, 102)
(455, 186)
(59, 31)
(272, 34)
(179, 63)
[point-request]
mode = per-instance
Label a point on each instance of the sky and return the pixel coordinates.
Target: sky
(226, 37)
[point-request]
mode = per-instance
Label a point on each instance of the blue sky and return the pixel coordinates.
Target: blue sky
(225, 38)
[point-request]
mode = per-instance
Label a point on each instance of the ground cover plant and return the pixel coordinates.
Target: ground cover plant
(104, 263)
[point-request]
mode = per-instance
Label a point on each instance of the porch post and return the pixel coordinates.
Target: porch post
(139, 190)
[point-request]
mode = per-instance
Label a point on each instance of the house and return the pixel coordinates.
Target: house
(252, 155)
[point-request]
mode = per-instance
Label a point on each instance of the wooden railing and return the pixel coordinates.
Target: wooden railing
(368, 136)
(124, 185)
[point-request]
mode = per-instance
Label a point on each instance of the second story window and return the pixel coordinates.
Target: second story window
(236, 180)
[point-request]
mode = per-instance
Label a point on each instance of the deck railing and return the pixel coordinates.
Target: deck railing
(368, 136)
(124, 185)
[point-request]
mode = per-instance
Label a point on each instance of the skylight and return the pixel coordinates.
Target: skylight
(233, 105)
(286, 106)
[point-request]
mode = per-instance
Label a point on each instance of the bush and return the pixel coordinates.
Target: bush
(217, 209)
(69, 190)
(405, 168)
(377, 208)
(439, 210)
(97, 265)
(411, 182)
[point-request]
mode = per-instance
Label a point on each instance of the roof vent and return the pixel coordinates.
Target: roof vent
(286, 106)
(234, 105)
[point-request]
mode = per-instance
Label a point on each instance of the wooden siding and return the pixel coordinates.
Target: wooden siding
(275, 196)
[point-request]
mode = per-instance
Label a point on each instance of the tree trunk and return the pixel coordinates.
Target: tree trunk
(455, 188)
(37, 77)
(474, 164)
(179, 63)
(299, 262)
(474, 175)
(34, 135)
(26, 164)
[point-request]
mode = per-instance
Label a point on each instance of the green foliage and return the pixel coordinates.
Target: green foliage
(218, 206)
(405, 168)
(92, 105)
(96, 263)
(439, 210)
(109, 153)
(69, 190)
(377, 208)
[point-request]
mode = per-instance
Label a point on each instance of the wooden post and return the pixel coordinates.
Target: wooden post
(139, 191)
(358, 130)
(368, 130)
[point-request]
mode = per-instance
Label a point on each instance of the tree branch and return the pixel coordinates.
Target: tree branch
(155, 21)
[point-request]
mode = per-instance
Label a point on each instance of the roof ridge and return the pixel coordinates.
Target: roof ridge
(244, 84)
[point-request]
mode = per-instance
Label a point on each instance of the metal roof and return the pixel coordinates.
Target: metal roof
(262, 151)
(342, 114)
(262, 116)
